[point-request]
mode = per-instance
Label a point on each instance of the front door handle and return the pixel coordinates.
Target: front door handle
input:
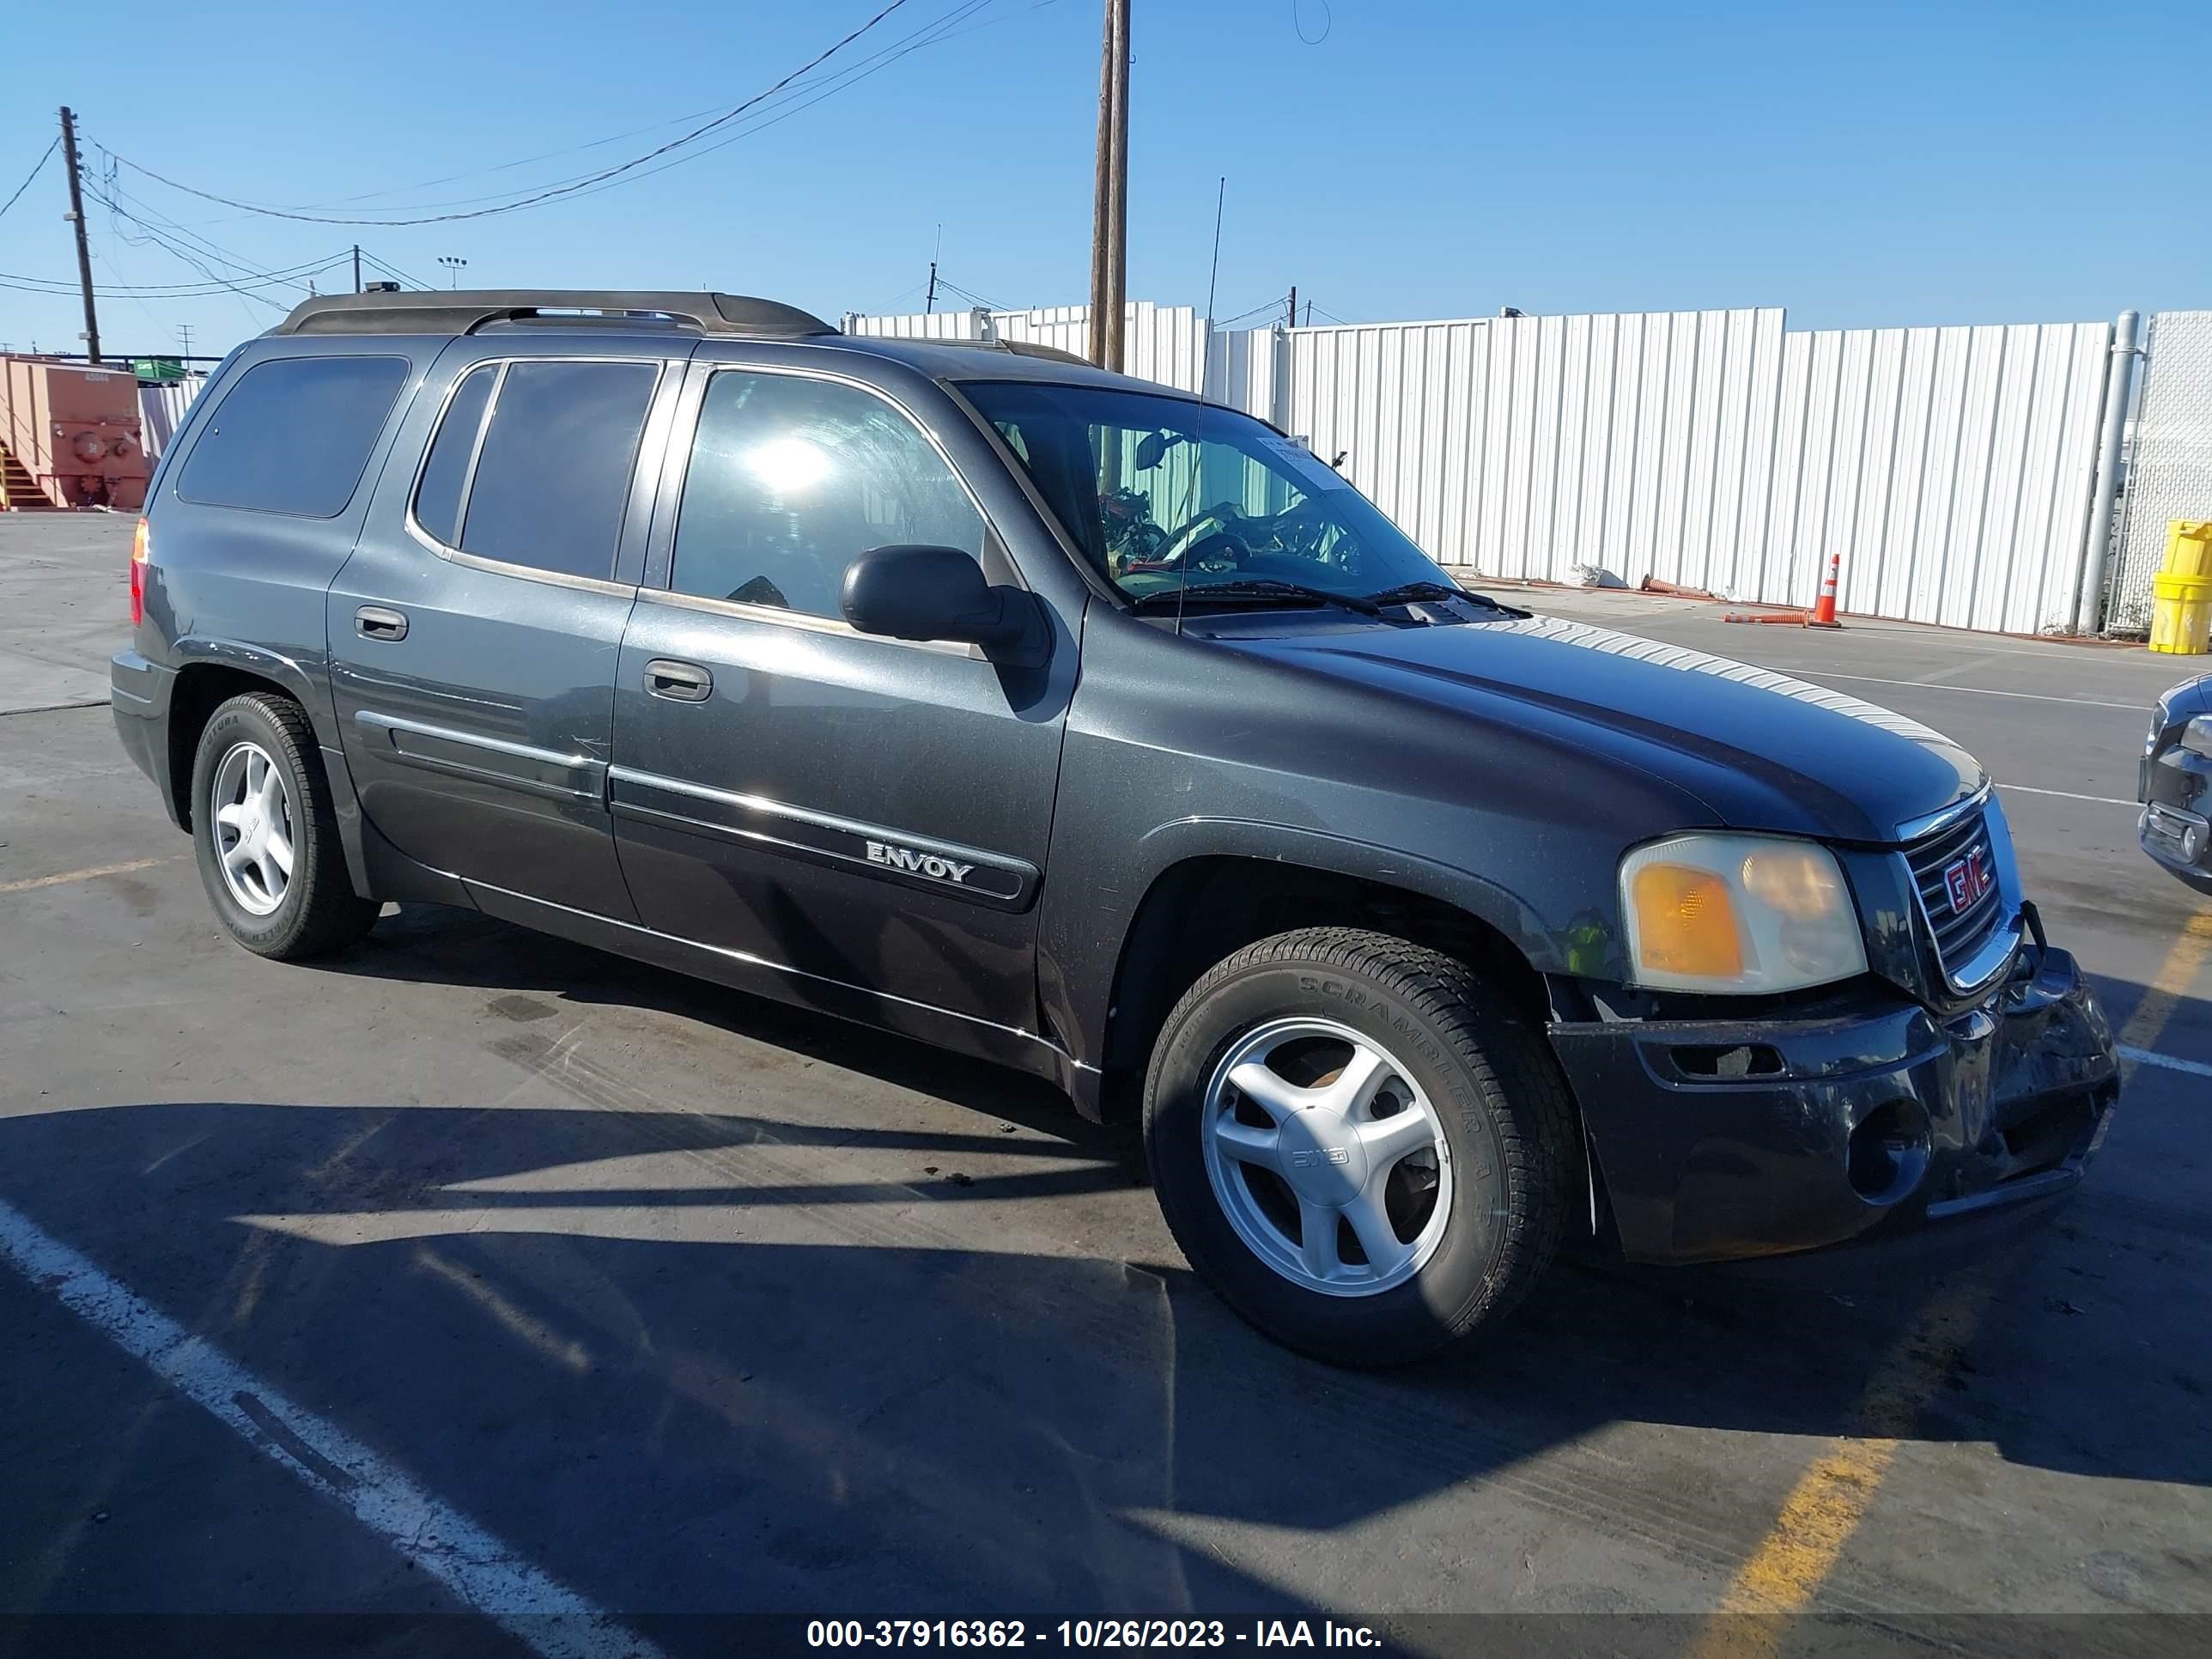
(374, 622)
(679, 682)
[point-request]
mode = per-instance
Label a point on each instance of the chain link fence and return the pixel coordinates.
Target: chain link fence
(2170, 474)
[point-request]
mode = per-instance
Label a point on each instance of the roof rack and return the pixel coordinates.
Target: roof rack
(464, 311)
(1019, 348)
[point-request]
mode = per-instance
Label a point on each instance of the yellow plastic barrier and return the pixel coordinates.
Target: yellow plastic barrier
(2181, 614)
(2187, 548)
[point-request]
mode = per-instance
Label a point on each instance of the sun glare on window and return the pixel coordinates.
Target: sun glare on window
(789, 466)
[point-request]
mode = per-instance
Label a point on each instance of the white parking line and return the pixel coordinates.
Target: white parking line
(2148, 1057)
(2067, 794)
(2142, 708)
(483, 1571)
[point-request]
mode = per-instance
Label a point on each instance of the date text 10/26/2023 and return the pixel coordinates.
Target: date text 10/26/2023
(1089, 1633)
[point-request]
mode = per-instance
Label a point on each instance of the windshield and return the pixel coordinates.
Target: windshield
(1156, 498)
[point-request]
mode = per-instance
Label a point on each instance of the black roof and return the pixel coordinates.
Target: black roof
(466, 310)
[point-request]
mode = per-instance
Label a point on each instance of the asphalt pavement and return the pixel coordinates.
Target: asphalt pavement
(499, 1295)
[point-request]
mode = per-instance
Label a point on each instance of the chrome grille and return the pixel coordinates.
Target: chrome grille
(1958, 934)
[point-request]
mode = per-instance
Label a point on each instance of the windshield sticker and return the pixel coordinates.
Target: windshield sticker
(1302, 463)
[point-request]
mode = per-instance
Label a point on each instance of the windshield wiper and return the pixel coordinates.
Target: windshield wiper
(1261, 588)
(1415, 593)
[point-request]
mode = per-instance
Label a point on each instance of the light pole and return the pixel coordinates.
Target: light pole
(453, 264)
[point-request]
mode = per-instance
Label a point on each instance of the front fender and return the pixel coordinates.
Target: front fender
(1085, 925)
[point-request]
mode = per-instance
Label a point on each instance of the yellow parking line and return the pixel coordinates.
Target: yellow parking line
(67, 876)
(2170, 984)
(1831, 1498)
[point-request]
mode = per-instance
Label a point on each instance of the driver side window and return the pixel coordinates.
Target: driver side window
(791, 479)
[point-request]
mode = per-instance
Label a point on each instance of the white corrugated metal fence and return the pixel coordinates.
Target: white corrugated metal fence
(162, 411)
(1950, 468)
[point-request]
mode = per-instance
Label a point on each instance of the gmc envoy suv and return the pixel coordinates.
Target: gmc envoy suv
(1068, 721)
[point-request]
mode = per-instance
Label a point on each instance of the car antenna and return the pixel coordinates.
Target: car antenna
(1198, 427)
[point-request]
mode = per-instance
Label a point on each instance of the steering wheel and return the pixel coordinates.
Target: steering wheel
(1298, 529)
(1221, 548)
(1221, 551)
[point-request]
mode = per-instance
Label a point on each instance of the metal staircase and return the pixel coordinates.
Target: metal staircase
(19, 490)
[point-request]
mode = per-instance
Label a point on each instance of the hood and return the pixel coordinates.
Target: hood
(1760, 749)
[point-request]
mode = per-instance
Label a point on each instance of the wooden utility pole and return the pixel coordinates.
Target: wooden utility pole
(1294, 305)
(357, 267)
(84, 247)
(1110, 217)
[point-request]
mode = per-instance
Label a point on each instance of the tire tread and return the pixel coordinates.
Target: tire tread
(332, 915)
(1538, 1128)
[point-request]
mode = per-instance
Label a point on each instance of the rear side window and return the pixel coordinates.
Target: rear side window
(438, 497)
(552, 473)
(293, 435)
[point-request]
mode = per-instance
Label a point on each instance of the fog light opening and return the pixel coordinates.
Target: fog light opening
(1888, 1151)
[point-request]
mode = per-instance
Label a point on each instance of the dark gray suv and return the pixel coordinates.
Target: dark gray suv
(1056, 718)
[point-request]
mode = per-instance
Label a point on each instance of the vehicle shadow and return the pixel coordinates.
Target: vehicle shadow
(682, 1383)
(534, 973)
(691, 1360)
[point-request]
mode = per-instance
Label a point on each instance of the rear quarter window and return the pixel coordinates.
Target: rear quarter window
(293, 435)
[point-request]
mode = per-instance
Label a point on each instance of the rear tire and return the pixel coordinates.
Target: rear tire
(266, 834)
(1393, 1170)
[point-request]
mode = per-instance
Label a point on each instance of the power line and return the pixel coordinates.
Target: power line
(970, 296)
(164, 290)
(45, 155)
(938, 32)
(245, 277)
(803, 98)
(930, 34)
(1264, 305)
(154, 222)
(551, 192)
(390, 269)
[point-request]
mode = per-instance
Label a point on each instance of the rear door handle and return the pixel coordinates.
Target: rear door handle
(679, 682)
(374, 622)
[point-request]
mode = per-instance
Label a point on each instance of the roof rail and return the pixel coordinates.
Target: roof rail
(464, 311)
(1018, 347)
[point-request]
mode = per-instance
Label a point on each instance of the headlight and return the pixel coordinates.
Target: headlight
(1744, 914)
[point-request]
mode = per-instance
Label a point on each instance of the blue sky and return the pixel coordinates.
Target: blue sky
(1859, 164)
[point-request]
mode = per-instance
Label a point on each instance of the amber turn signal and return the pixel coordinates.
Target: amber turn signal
(1685, 921)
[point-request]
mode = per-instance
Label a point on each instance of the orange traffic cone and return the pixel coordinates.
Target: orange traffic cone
(1822, 615)
(1824, 608)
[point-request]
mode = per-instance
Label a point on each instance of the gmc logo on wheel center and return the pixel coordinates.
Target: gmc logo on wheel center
(1966, 881)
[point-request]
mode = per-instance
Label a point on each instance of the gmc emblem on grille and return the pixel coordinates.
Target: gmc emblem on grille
(1968, 881)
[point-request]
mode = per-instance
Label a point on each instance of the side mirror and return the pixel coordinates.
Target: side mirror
(906, 592)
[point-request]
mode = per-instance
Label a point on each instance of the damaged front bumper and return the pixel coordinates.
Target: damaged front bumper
(1721, 1140)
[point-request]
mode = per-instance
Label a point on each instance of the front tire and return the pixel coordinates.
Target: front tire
(1358, 1144)
(266, 834)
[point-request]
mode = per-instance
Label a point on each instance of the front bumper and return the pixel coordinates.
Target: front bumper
(1721, 1140)
(2174, 783)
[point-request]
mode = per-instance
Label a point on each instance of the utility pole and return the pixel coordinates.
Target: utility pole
(84, 247)
(357, 267)
(929, 303)
(185, 343)
(1110, 217)
(1294, 305)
